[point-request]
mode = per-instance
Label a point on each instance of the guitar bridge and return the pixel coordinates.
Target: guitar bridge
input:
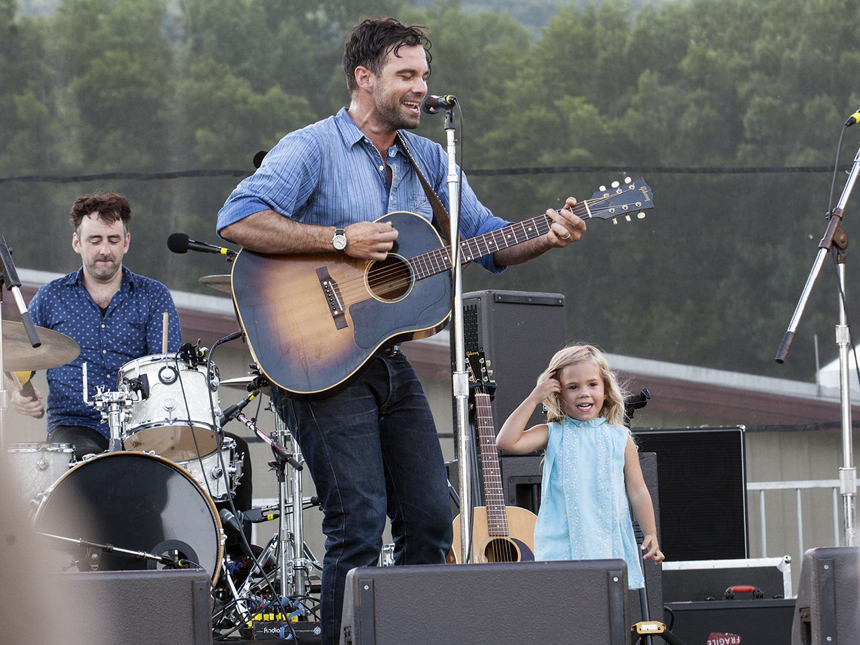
(332, 297)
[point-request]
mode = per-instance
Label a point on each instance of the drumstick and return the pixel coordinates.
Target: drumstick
(164, 333)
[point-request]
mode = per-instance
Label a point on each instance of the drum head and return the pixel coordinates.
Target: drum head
(132, 501)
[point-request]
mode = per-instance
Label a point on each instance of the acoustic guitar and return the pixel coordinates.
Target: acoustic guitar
(314, 321)
(499, 533)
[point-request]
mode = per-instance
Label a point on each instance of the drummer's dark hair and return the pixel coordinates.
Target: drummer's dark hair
(110, 207)
(368, 45)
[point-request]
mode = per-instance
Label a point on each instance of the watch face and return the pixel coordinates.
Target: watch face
(339, 242)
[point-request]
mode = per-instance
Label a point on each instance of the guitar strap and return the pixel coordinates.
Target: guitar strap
(440, 213)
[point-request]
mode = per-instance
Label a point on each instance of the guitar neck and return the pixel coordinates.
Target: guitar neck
(494, 496)
(439, 260)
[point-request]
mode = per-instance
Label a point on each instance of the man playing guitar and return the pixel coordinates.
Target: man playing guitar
(372, 447)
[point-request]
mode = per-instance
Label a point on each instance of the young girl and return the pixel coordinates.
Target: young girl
(590, 460)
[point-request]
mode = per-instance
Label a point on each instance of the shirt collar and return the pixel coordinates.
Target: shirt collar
(350, 133)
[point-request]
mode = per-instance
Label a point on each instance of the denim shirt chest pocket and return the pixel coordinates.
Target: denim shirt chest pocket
(420, 205)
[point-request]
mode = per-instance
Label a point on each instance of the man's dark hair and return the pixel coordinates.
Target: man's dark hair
(368, 45)
(110, 206)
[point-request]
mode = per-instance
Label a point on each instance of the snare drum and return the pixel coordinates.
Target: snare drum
(174, 417)
(212, 476)
(35, 466)
(134, 501)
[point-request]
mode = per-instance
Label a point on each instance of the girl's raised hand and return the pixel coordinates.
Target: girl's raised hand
(544, 388)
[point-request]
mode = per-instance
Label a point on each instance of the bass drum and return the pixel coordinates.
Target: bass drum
(134, 501)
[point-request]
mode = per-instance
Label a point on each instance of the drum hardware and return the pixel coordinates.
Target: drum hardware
(286, 547)
(93, 548)
(115, 408)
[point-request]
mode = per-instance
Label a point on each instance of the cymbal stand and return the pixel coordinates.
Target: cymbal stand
(295, 571)
(9, 276)
(293, 566)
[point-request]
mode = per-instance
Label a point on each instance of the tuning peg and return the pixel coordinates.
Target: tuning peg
(627, 180)
(615, 184)
(627, 217)
(615, 221)
(602, 189)
(640, 215)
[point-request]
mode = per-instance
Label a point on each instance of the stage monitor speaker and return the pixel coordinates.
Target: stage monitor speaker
(518, 332)
(110, 607)
(701, 475)
(827, 608)
(476, 604)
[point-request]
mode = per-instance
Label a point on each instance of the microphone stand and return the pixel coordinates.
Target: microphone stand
(836, 236)
(460, 378)
(9, 275)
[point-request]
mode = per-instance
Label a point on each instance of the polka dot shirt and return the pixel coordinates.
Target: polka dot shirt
(130, 328)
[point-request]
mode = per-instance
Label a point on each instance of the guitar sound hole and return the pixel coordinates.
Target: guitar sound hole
(501, 550)
(389, 279)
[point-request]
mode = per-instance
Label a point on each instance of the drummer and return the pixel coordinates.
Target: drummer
(116, 316)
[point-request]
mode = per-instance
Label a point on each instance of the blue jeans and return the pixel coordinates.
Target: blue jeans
(373, 452)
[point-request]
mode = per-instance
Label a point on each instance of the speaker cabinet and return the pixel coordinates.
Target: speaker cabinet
(110, 607)
(476, 604)
(827, 609)
(701, 475)
(518, 332)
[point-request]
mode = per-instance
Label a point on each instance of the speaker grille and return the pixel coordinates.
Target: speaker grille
(702, 479)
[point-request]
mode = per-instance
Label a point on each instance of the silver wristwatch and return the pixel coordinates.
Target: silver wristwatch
(339, 240)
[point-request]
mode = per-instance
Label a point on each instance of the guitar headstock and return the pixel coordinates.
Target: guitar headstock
(619, 201)
(480, 374)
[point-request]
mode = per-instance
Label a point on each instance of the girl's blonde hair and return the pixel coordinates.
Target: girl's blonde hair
(613, 405)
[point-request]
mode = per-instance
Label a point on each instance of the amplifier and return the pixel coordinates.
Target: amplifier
(712, 579)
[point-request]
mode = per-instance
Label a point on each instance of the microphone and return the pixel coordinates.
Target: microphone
(231, 521)
(179, 243)
(233, 411)
(854, 118)
(432, 103)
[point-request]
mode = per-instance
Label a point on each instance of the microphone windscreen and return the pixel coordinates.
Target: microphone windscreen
(178, 243)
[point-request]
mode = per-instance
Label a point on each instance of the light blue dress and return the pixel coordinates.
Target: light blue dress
(584, 513)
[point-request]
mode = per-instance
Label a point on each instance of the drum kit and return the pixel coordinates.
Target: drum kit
(152, 500)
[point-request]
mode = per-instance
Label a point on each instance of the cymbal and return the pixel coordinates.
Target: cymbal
(219, 282)
(20, 356)
(243, 382)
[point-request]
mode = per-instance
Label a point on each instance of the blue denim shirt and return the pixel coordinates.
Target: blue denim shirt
(130, 328)
(330, 174)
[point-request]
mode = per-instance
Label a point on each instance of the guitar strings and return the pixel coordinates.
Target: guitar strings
(395, 279)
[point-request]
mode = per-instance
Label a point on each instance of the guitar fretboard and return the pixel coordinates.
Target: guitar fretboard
(439, 260)
(497, 518)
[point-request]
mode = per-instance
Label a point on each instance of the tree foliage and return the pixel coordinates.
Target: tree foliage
(710, 277)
